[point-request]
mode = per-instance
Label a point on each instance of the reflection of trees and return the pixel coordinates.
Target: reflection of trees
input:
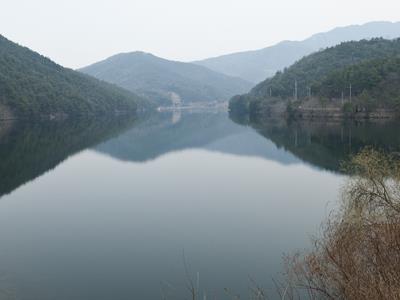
(326, 144)
(28, 150)
(358, 255)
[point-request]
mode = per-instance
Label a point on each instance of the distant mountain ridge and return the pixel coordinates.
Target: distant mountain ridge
(32, 85)
(257, 65)
(164, 81)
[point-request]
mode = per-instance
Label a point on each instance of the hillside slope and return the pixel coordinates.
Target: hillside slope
(371, 68)
(375, 83)
(164, 81)
(311, 69)
(32, 85)
(258, 65)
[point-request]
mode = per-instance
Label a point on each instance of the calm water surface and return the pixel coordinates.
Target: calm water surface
(114, 210)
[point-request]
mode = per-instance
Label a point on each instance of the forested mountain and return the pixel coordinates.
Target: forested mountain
(257, 65)
(369, 67)
(32, 85)
(312, 69)
(164, 81)
(376, 83)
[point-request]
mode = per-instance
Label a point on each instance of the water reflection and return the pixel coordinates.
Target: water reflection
(327, 144)
(112, 220)
(28, 150)
(212, 131)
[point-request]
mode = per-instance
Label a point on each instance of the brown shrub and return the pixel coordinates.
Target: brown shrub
(358, 254)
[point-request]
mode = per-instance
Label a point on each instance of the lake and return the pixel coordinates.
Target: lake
(137, 208)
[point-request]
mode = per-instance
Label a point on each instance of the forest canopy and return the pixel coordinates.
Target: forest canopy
(368, 70)
(31, 84)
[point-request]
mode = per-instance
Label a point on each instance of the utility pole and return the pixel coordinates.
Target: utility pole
(350, 92)
(350, 139)
(270, 92)
(295, 90)
(341, 133)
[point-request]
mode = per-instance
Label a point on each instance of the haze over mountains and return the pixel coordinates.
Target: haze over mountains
(166, 82)
(258, 65)
(31, 84)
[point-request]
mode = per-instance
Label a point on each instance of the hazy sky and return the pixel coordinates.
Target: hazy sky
(75, 33)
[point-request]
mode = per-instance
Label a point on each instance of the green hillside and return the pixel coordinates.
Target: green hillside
(370, 68)
(32, 85)
(375, 83)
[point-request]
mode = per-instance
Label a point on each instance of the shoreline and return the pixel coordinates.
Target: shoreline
(321, 113)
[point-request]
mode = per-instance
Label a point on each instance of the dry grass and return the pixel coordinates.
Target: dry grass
(358, 255)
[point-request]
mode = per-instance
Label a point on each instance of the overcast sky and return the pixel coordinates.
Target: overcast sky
(76, 33)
